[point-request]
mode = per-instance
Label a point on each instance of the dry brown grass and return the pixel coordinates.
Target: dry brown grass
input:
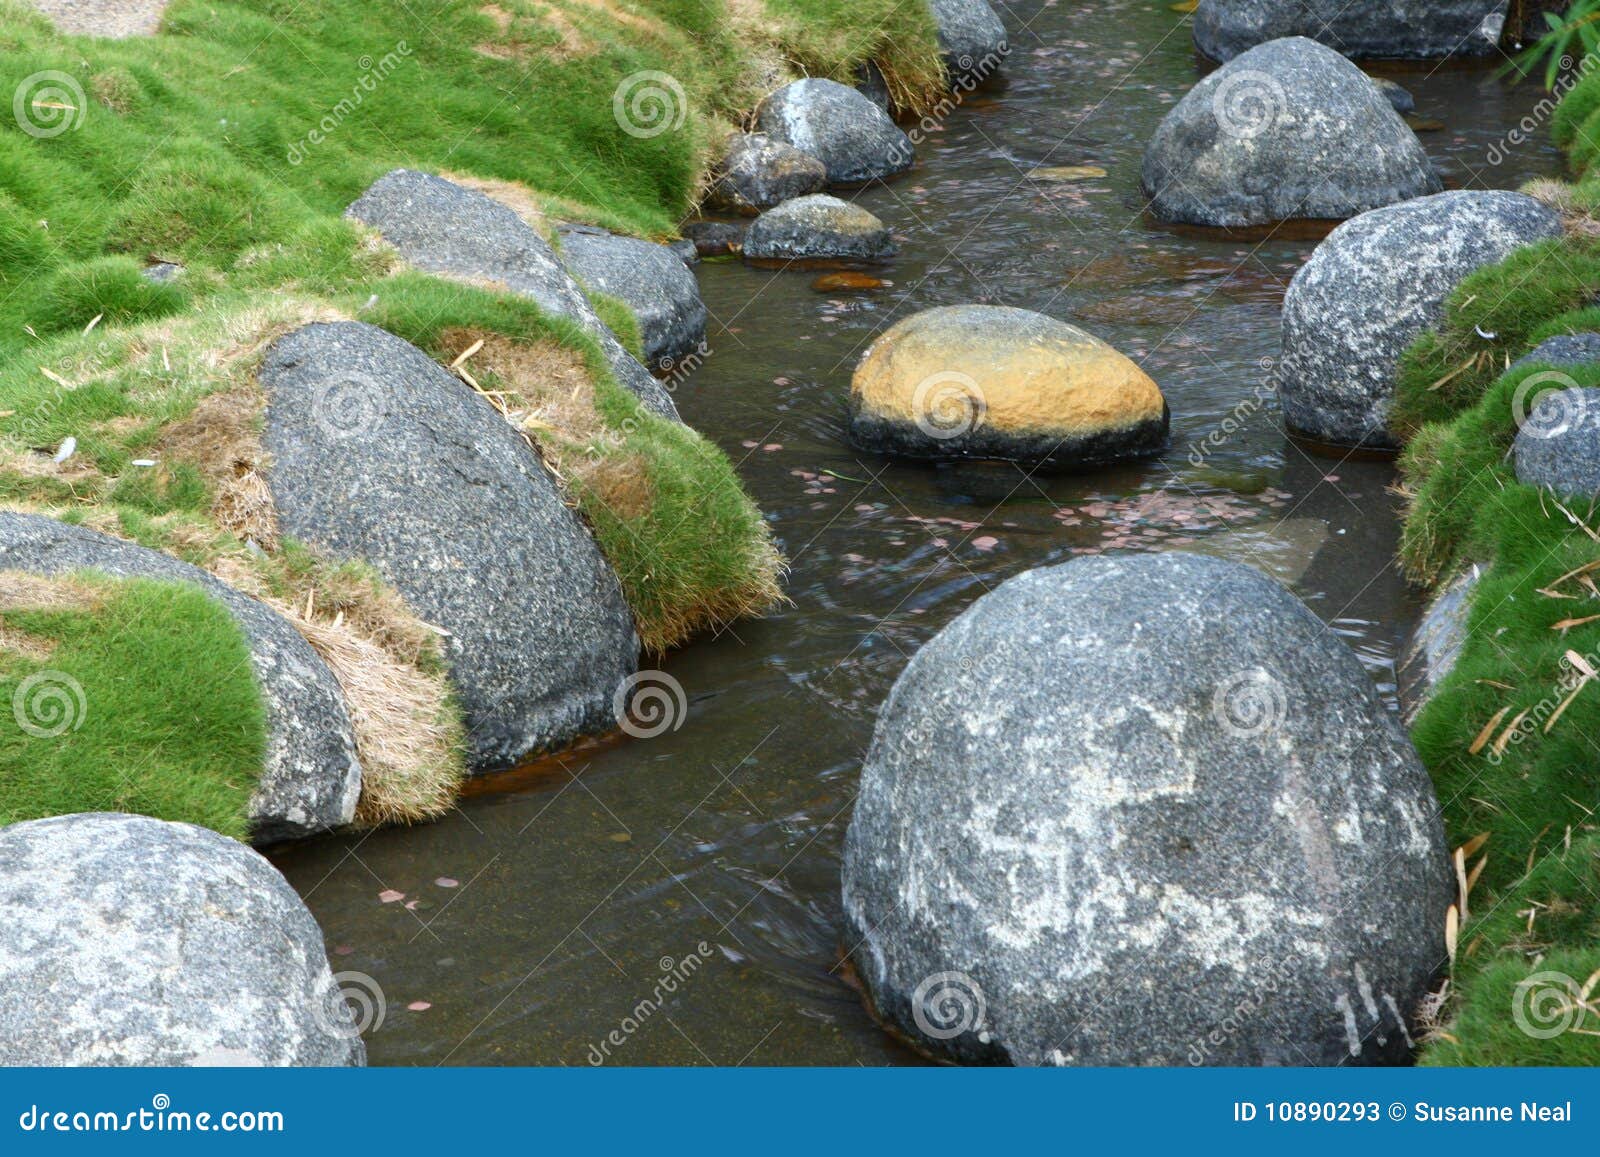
(222, 439)
(514, 195)
(21, 591)
(1577, 222)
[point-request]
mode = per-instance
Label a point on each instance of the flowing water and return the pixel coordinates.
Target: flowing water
(674, 900)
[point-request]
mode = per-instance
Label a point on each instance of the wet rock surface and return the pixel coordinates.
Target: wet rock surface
(819, 227)
(853, 138)
(649, 279)
(1408, 29)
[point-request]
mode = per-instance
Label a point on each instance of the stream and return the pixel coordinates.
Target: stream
(539, 922)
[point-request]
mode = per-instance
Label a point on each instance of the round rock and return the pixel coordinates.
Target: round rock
(130, 941)
(1145, 810)
(715, 238)
(1435, 645)
(1397, 29)
(1558, 443)
(1567, 349)
(311, 778)
(445, 228)
(649, 279)
(972, 40)
(756, 172)
(985, 381)
(1372, 286)
(1288, 130)
(818, 227)
(379, 454)
(1398, 96)
(853, 138)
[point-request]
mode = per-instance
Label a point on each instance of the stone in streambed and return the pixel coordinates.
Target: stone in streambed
(1288, 130)
(651, 280)
(757, 172)
(715, 238)
(1371, 288)
(129, 941)
(853, 138)
(1145, 810)
(818, 227)
(983, 381)
(1558, 440)
(311, 777)
(1395, 29)
(972, 40)
(379, 454)
(1399, 97)
(445, 228)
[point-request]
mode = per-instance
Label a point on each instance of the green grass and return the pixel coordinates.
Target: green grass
(150, 687)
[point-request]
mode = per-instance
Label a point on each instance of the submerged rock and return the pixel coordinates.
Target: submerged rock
(853, 138)
(1399, 98)
(1399, 29)
(1435, 645)
(1145, 810)
(715, 238)
(818, 227)
(310, 778)
(381, 455)
(756, 172)
(444, 228)
(984, 381)
(130, 941)
(1375, 284)
(649, 279)
(972, 39)
(1558, 437)
(1288, 130)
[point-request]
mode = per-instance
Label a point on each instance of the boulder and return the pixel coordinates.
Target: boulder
(986, 381)
(129, 941)
(649, 279)
(756, 172)
(972, 40)
(853, 138)
(379, 454)
(1288, 130)
(1558, 438)
(1394, 29)
(1371, 287)
(1145, 810)
(715, 238)
(1435, 644)
(444, 228)
(818, 227)
(311, 778)
(1567, 349)
(1399, 97)
(871, 83)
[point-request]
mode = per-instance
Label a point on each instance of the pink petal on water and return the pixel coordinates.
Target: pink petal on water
(771, 446)
(987, 542)
(447, 882)
(419, 1006)
(343, 950)
(749, 444)
(389, 896)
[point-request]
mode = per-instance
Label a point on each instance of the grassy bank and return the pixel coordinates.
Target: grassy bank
(231, 145)
(1512, 735)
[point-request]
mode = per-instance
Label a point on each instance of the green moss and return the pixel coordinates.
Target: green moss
(112, 288)
(139, 697)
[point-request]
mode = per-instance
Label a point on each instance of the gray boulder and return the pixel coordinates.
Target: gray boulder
(1145, 810)
(818, 227)
(715, 238)
(1558, 440)
(381, 455)
(130, 941)
(756, 172)
(1400, 29)
(311, 778)
(649, 279)
(1435, 645)
(1567, 349)
(853, 138)
(871, 83)
(1398, 96)
(1371, 288)
(443, 228)
(1288, 130)
(972, 40)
